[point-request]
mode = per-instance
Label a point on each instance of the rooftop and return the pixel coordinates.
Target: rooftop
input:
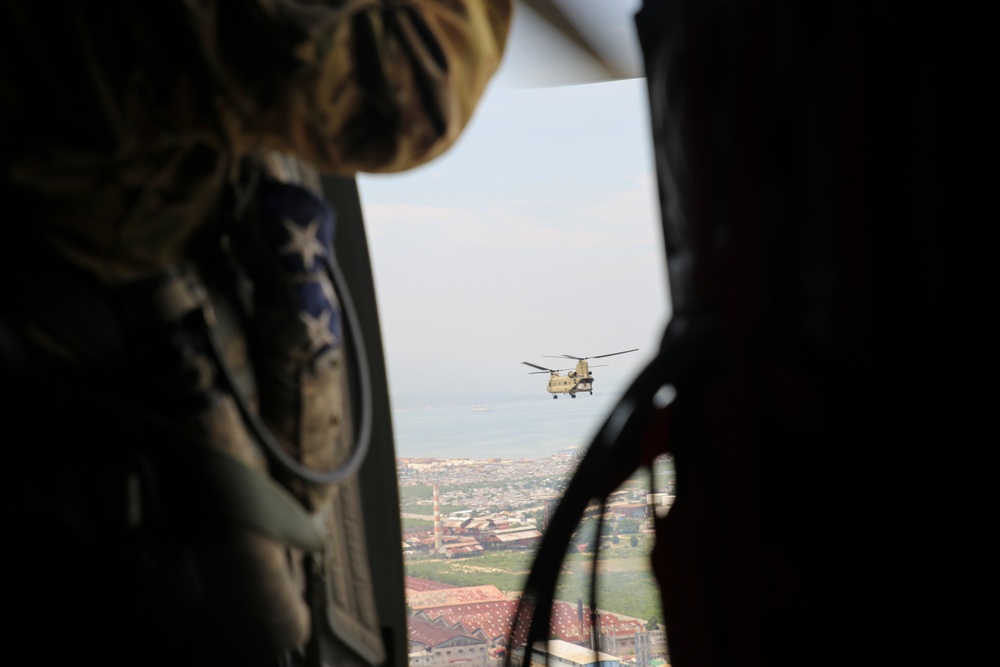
(418, 585)
(494, 618)
(455, 596)
(574, 653)
(431, 634)
(519, 534)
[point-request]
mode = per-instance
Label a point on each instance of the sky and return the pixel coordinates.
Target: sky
(537, 234)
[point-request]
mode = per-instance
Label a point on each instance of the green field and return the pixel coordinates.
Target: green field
(506, 571)
(625, 582)
(410, 523)
(429, 509)
(630, 593)
(419, 492)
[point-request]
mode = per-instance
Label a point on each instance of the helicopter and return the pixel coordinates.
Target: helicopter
(576, 380)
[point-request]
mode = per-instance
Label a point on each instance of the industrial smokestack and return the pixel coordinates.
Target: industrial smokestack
(437, 520)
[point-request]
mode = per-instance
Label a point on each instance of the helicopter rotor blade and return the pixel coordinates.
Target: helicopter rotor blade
(541, 368)
(599, 356)
(554, 15)
(613, 354)
(594, 31)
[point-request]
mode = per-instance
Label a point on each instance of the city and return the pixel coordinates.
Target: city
(470, 528)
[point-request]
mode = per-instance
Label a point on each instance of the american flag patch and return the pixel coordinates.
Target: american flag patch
(298, 227)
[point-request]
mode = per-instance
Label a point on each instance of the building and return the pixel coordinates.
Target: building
(491, 619)
(415, 585)
(570, 623)
(478, 526)
(660, 502)
(462, 548)
(557, 653)
(511, 539)
(617, 635)
(453, 526)
(450, 597)
(658, 648)
(437, 645)
(418, 542)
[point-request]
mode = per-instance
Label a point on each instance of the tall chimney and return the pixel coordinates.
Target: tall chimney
(437, 520)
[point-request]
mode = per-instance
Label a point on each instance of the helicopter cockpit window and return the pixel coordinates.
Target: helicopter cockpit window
(497, 255)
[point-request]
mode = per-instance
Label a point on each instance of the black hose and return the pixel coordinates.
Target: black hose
(272, 447)
(594, 623)
(614, 450)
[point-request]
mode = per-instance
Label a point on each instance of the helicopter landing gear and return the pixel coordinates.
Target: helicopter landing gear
(591, 392)
(554, 397)
(572, 395)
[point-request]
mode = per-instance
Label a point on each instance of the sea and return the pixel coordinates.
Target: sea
(504, 426)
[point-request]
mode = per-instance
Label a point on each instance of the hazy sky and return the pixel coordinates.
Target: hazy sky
(537, 234)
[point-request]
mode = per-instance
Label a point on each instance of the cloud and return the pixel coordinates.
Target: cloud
(620, 221)
(537, 235)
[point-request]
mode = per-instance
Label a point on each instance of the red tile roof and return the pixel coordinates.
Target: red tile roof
(418, 585)
(494, 618)
(431, 634)
(464, 548)
(455, 596)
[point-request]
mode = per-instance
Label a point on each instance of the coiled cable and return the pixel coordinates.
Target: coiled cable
(614, 453)
(356, 345)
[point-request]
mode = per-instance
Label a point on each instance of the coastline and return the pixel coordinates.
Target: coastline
(517, 427)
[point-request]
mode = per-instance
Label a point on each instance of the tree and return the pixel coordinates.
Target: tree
(634, 541)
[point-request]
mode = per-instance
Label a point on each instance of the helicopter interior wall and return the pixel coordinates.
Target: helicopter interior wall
(822, 169)
(379, 485)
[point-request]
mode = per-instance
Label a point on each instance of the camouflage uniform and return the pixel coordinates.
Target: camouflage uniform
(119, 149)
(123, 155)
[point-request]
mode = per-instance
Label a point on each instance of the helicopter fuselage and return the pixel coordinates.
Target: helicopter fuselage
(573, 382)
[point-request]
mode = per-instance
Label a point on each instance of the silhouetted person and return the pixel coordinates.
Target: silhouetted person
(163, 269)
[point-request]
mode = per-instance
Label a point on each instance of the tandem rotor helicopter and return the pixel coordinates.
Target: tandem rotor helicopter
(576, 380)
